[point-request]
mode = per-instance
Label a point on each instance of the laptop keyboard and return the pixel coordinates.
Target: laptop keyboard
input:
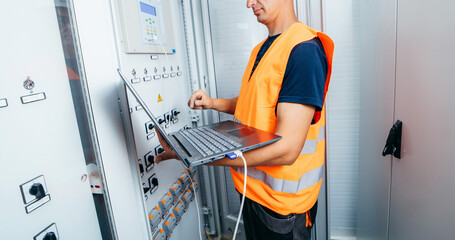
(208, 141)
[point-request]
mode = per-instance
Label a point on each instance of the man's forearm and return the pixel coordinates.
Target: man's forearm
(226, 105)
(271, 155)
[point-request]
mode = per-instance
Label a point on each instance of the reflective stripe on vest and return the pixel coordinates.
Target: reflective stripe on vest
(307, 180)
(310, 144)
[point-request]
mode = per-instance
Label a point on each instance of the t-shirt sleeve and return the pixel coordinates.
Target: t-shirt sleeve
(305, 76)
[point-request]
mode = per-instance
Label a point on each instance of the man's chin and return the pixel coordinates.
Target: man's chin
(260, 19)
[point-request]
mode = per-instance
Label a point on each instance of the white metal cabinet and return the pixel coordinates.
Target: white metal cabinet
(406, 75)
(422, 192)
(378, 35)
(40, 138)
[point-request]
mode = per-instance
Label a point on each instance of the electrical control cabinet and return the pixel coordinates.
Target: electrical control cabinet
(44, 182)
(157, 66)
(147, 27)
(46, 178)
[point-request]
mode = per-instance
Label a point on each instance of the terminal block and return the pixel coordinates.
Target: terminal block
(187, 197)
(176, 189)
(169, 223)
(179, 209)
(194, 186)
(166, 203)
(184, 178)
(159, 235)
(192, 171)
(155, 217)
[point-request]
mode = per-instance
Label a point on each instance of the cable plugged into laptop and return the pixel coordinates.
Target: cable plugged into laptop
(232, 156)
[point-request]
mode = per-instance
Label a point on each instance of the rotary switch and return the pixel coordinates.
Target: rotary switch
(154, 182)
(37, 190)
(151, 159)
(50, 236)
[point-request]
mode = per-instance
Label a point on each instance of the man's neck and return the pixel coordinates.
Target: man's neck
(280, 25)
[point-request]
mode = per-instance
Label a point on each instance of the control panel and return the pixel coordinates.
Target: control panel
(160, 76)
(152, 23)
(147, 26)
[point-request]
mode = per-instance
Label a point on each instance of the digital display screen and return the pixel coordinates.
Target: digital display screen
(148, 9)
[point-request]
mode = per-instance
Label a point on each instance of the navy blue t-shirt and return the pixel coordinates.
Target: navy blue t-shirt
(305, 75)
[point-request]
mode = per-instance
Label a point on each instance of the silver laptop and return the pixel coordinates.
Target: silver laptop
(197, 146)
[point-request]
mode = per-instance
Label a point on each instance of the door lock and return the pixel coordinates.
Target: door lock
(393, 143)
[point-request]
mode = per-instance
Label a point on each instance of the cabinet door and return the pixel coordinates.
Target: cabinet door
(43, 174)
(423, 190)
(376, 115)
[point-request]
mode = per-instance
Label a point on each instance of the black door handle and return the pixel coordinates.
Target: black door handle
(393, 143)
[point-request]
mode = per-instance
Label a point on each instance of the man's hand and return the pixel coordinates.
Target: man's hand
(200, 100)
(168, 152)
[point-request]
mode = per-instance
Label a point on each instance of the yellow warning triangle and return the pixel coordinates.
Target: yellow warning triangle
(160, 98)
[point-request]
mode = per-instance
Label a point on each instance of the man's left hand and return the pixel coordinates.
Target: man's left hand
(168, 152)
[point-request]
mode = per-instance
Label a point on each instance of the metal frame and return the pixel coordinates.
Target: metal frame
(200, 57)
(90, 119)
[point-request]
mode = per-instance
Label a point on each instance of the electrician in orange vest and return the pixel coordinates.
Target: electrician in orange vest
(283, 91)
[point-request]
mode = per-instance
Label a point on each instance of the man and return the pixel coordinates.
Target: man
(283, 91)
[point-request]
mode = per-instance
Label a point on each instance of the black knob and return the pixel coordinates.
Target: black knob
(146, 189)
(155, 181)
(160, 121)
(50, 236)
(141, 167)
(150, 126)
(160, 150)
(151, 159)
(37, 190)
(176, 113)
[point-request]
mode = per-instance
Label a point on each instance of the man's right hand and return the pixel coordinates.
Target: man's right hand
(200, 100)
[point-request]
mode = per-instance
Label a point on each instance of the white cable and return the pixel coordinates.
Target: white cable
(155, 38)
(197, 207)
(170, 126)
(239, 154)
(197, 204)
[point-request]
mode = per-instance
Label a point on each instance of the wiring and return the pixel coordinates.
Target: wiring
(155, 38)
(239, 154)
(197, 205)
(170, 129)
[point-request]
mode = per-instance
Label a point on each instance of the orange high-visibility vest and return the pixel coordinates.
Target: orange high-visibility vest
(283, 189)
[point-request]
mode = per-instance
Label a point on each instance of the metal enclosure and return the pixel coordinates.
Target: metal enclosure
(377, 71)
(162, 80)
(44, 180)
(422, 192)
(406, 76)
